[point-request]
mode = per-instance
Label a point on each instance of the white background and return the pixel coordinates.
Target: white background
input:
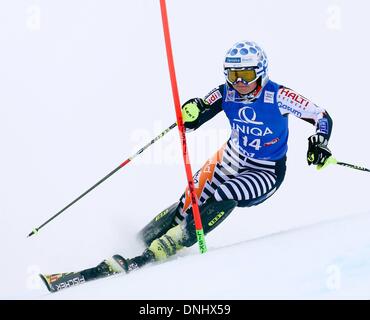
(84, 84)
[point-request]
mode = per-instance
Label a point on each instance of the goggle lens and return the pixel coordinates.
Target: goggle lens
(247, 75)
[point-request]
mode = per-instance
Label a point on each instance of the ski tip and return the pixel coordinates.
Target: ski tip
(44, 279)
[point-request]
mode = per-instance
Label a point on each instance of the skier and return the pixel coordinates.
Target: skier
(250, 166)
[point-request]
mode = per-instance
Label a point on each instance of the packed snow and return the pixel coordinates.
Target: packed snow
(85, 84)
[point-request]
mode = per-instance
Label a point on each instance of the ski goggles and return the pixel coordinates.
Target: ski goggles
(244, 75)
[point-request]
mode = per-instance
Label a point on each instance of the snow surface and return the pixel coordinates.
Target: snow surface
(87, 85)
(323, 261)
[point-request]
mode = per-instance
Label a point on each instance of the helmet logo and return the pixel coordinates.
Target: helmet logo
(233, 60)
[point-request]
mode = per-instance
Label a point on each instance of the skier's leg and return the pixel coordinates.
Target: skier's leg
(205, 184)
(183, 235)
(159, 225)
(253, 186)
(250, 187)
(216, 171)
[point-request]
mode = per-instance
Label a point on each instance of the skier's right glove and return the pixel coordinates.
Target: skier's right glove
(318, 152)
(191, 110)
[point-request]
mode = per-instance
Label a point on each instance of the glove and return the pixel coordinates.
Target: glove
(190, 110)
(190, 113)
(318, 152)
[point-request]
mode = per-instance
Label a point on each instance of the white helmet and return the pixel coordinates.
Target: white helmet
(247, 55)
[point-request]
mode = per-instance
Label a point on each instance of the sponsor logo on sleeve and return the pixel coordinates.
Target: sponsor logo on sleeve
(324, 125)
(290, 109)
(213, 97)
(293, 97)
(269, 97)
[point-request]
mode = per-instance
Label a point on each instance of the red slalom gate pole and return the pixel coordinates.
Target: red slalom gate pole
(180, 125)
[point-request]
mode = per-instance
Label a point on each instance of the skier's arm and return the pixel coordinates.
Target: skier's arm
(290, 102)
(197, 111)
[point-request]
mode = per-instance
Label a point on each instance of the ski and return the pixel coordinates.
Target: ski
(109, 267)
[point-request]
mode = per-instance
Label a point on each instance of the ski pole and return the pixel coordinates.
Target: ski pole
(34, 231)
(332, 160)
(353, 166)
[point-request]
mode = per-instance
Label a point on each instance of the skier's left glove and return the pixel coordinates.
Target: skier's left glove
(318, 151)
